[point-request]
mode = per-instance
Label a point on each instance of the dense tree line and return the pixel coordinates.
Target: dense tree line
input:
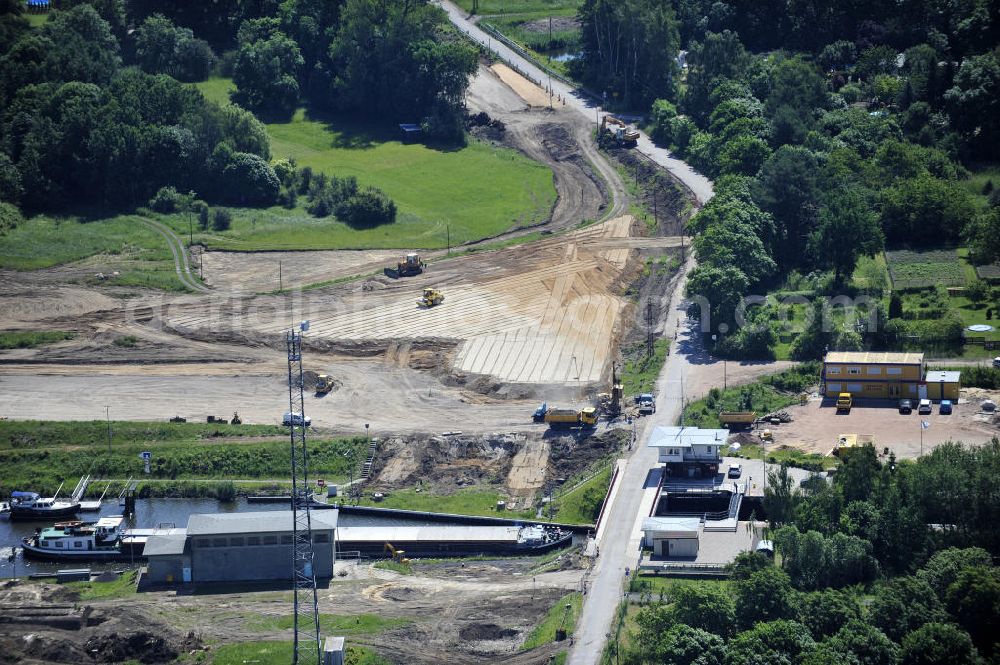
(93, 113)
(835, 153)
(868, 574)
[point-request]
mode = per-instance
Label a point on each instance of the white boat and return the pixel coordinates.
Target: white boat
(33, 506)
(81, 541)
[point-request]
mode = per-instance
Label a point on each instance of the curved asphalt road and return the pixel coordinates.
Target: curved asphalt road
(619, 536)
(699, 185)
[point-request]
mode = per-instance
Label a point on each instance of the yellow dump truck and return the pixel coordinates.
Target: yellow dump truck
(844, 402)
(737, 418)
(571, 418)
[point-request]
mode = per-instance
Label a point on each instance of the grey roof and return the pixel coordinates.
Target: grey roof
(265, 521)
(685, 437)
(672, 524)
(948, 377)
(165, 544)
(431, 533)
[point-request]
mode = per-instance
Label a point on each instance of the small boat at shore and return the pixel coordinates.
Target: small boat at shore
(103, 540)
(32, 506)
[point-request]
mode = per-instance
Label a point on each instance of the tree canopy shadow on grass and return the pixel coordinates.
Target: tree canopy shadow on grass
(353, 132)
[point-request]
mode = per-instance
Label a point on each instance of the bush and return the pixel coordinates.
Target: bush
(663, 114)
(10, 217)
(202, 209)
(222, 219)
(166, 200)
(367, 208)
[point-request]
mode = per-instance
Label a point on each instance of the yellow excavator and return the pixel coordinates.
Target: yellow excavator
(397, 555)
(430, 298)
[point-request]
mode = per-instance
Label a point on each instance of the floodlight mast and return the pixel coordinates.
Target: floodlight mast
(306, 607)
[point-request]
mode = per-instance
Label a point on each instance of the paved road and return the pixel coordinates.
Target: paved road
(576, 99)
(619, 541)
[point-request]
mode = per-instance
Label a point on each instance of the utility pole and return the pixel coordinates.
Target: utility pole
(281, 283)
(656, 219)
(305, 623)
(190, 228)
(107, 416)
(448, 232)
(649, 327)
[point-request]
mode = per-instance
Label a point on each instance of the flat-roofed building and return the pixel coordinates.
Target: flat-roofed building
(874, 374)
(672, 536)
(238, 547)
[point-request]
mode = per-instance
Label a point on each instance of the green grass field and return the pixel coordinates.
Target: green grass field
(42, 454)
(120, 588)
(280, 653)
(471, 193)
(557, 617)
(641, 371)
(358, 624)
(139, 254)
(472, 501)
(29, 339)
(542, 7)
(582, 504)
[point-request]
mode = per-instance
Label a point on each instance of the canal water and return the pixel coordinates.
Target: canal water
(148, 514)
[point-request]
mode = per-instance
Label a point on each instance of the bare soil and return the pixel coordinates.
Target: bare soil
(816, 426)
(43, 623)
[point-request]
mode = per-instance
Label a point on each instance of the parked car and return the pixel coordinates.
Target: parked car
(905, 406)
(924, 407)
(295, 419)
(945, 408)
(735, 470)
(996, 362)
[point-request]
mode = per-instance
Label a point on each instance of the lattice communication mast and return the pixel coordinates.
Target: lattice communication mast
(307, 641)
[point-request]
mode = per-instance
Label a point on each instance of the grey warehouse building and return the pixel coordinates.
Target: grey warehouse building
(237, 547)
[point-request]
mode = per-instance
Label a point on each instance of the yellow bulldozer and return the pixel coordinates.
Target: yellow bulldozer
(324, 384)
(430, 298)
(412, 265)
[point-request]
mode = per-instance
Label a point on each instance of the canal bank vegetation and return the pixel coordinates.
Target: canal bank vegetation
(563, 615)
(472, 501)
(121, 587)
(188, 459)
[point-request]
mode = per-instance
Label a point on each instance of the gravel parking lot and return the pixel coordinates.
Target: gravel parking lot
(817, 425)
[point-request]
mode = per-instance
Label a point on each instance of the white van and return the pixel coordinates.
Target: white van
(292, 419)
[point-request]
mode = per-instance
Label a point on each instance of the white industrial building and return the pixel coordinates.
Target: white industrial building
(676, 537)
(689, 452)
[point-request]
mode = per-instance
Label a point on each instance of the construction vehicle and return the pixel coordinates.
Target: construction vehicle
(324, 384)
(619, 131)
(539, 415)
(614, 399)
(844, 402)
(571, 418)
(236, 420)
(737, 419)
(647, 404)
(430, 298)
(411, 265)
(397, 555)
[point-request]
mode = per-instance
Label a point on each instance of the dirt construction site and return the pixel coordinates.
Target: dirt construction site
(448, 390)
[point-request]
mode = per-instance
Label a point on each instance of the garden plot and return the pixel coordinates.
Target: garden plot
(918, 270)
